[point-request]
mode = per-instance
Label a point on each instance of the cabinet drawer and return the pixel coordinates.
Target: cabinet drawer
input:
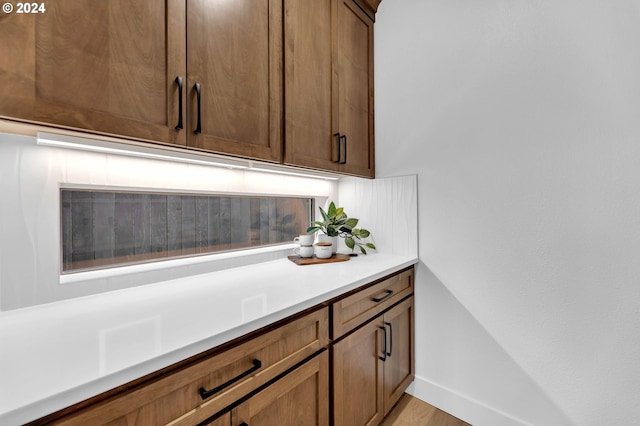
(356, 309)
(229, 375)
(300, 398)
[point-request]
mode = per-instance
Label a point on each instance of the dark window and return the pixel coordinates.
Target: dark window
(109, 228)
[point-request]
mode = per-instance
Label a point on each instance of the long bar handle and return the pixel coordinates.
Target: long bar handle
(198, 129)
(338, 137)
(207, 393)
(381, 298)
(179, 83)
(383, 358)
(390, 338)
(344, 161)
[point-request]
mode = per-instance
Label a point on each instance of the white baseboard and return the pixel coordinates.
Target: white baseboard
(461, 406)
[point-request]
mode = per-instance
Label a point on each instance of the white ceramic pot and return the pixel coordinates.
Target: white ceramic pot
(322, 238)
(323, 250)
(304, 251)
(304, 239)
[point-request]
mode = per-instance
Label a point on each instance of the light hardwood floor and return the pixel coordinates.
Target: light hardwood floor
(410, 411)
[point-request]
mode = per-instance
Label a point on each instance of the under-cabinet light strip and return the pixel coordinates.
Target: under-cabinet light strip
(282, 170)
(95, 145)
(107, 147)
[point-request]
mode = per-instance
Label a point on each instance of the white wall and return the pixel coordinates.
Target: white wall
(522, 121)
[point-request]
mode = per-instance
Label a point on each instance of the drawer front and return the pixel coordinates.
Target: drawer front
(224, 378)
(356, 309)
(300, 398)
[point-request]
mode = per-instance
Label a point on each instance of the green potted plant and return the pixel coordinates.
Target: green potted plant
(335, 223)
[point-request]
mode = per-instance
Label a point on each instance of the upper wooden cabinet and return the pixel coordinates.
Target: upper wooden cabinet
(106, 67)
(310, 115)
(131, 70)
(234, 55)
(370, 7)
(328, 78)
(276, 80)
(355, 89)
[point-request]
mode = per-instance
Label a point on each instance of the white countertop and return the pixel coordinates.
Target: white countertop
(58, 354)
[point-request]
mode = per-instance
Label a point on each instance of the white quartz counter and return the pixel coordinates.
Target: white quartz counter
(58, 354)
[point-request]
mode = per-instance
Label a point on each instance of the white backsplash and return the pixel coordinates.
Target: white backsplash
(387, 207)
(30, 181)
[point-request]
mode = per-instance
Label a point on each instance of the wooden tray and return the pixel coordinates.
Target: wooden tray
(338, 257)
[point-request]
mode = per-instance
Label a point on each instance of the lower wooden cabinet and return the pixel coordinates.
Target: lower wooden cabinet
(399, 360)
(224, 420)
(350, 312)
(373, 366)
(285, 374)
(197, 391)
(357, 377)
(299, 398)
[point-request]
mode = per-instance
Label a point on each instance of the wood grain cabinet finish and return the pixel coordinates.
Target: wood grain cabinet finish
(276, 80)
(354, 62)
(373, 364)
(370, 7)
(399, 362)
(298, 399)
(176, 398)
(131, 69)
(357, 377)
(289, 373)
(357, 308)
(106, 67)
(309, 82)
(234, 54)
(328, 79)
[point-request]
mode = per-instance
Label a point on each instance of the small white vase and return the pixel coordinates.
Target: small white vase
(322, 238)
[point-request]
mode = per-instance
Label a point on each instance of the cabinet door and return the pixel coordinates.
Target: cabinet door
(329, 86)
(355, 88)
(234, 54)
(399, 363)
(104, 66)
(299, 398)
(358, 375)
(309, 84)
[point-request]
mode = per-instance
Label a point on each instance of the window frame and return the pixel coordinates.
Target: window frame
(314, 201)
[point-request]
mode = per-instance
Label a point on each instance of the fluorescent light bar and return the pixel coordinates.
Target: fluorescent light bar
(95, 145)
